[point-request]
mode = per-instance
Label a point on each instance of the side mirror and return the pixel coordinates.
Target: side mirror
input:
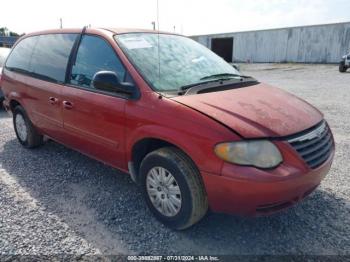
(109, 81)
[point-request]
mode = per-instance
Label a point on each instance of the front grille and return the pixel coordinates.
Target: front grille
(313, 145)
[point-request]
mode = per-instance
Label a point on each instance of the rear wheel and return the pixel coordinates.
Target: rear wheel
(26, 133)
(342, 67)
(173, 188)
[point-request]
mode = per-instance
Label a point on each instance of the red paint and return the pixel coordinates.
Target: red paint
(241, 190)
(256, 111)
(106, 128)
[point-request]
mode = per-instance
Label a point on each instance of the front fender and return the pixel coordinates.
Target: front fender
(159, 132)
(191, 131)
(198, 148)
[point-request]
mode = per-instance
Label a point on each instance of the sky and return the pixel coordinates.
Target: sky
(189, 17)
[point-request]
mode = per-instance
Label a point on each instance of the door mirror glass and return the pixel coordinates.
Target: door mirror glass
(108, 81)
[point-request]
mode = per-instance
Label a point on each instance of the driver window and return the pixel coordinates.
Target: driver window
(94, 54)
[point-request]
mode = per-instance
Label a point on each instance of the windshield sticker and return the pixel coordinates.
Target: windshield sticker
(135, 43)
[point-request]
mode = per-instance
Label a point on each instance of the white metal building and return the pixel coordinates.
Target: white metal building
(306, 44)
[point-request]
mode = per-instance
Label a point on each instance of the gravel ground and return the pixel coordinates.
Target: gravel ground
(54, 200)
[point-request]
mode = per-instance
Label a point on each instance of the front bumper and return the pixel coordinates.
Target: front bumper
(241, 191)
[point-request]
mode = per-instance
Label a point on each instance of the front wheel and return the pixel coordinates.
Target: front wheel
(25, 131)
(173, 188)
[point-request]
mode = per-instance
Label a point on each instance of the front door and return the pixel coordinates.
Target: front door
(94, 120)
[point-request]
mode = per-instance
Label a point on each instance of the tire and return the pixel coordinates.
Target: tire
(342, 67)
(29, 138)
(194, 203)
(2, 98)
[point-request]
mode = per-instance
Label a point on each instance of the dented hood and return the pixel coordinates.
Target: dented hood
(256, 111)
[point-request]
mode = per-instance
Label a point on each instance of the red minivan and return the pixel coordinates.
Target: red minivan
(191, 130)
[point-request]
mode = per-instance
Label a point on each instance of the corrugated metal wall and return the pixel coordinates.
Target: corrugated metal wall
(309, 44)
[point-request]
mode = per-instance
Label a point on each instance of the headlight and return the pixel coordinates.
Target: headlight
(258, 153)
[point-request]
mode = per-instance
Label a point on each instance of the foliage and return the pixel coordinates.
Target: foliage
(4, 31)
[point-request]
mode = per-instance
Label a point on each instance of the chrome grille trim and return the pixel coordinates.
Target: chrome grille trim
(314, 145)
(314, 133)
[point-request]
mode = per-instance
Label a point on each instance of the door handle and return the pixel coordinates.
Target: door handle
(53, 100)
(67, 105)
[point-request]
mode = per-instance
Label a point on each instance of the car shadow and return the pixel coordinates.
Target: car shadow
(105, 207)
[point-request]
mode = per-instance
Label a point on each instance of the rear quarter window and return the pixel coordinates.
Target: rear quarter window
(19, 59)
(44, 56)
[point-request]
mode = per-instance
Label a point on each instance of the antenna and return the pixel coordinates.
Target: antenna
(158, 14)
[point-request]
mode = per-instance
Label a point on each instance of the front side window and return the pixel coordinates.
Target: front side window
(19, 59)
(168, 62)
(94, 55)
(51, 55)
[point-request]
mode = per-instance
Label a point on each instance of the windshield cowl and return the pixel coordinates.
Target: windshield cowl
(219, 85)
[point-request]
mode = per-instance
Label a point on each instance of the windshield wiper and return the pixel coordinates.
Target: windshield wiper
(222, 75)
(243, 79)
(183, 88)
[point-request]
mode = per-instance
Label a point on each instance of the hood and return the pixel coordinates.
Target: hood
(256, 111)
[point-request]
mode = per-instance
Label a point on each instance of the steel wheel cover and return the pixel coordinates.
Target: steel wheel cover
(21, 127)
(163, 191)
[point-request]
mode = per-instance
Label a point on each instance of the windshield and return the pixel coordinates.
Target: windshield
(180, 61)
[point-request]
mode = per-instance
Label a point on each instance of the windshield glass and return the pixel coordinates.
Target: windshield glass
(180, 61)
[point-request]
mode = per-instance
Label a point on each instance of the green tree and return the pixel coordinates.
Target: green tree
(3, 31)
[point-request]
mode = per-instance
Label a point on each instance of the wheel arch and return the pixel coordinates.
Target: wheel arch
(144, 146)
(13, 103)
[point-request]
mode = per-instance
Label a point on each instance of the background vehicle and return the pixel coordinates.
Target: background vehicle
(4, 51)
(344, 63)
(186, 125)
